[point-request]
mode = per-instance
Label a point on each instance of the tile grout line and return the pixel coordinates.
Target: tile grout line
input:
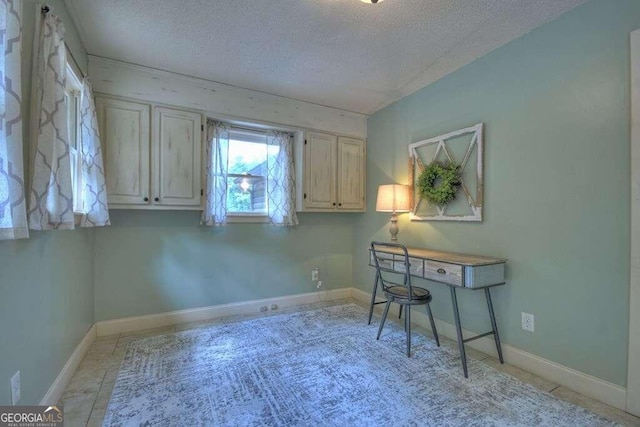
(116, 346)
(96, 399)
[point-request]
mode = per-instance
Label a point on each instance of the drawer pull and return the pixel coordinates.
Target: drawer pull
(441, 271)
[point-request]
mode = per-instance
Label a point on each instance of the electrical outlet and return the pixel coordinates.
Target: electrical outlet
(15, 388)
(274, 306)
(315, 275)
(319, 285)
(263, 308)
(528, 322)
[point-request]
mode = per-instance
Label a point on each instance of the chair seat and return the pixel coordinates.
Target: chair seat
(401, 292)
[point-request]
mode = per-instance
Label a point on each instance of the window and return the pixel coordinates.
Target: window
(250, 176)
(72, 100)
(247, 172)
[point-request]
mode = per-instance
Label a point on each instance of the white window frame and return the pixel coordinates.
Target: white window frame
(72, 91)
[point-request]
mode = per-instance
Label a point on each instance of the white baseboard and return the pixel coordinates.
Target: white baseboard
(606, 392)
(62, 380)
(137, 323)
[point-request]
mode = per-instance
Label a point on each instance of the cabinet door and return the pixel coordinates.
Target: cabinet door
(320, 170)
(124, 131)
(177, 149)
(351, 176)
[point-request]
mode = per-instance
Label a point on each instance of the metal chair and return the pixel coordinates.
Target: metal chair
(386, 257)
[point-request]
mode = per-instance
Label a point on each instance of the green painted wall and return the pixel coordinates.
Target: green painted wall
(45, 309)
(153, 262)
(46, 282)
(555, 104)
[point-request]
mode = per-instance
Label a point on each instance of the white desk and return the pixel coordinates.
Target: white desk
(455, 271)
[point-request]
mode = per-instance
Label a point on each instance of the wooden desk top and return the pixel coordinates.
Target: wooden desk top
(449, 257)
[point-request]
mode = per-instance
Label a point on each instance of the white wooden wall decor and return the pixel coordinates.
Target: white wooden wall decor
(463, 147)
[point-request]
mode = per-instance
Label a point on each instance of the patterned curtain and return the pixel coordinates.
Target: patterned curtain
(13, 211)
(94, 189)
(215, 211)
(281, 200)
(51, 199)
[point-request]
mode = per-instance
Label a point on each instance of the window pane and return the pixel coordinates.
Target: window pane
(247, 157)
(73, 157)
(246, 184)
(246, 194)
(71, 118)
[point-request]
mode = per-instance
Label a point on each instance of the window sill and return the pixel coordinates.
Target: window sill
(247, 218)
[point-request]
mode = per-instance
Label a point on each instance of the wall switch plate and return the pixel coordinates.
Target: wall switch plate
(315, 275)
(319, 285)
(528, 322)
(15, 388)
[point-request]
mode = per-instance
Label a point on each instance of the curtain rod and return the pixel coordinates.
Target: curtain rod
(259, 129)
(46, 9)
(73, 58)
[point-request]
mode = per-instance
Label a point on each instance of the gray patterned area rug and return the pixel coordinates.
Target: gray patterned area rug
(319, 368)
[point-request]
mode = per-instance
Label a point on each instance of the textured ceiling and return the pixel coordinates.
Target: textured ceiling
(340, 53)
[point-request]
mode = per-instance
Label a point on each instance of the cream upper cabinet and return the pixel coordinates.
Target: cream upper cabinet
(177, 148)
(351, 163)
(153, 155)
(124, 131)
(334, 173)
(320, 170)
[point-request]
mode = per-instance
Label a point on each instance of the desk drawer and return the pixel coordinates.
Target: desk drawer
(396, 263)
(415, 265)
(443, 272)
(384, 259)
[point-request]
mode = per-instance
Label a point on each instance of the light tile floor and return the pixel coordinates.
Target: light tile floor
(86, 397)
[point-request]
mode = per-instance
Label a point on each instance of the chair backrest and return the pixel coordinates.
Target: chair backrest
(391, 260)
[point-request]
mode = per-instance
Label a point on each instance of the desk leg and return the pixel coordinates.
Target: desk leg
(373, 296)
(456, 314)
(493, 324)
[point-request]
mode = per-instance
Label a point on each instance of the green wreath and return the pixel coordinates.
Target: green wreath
(438, 183)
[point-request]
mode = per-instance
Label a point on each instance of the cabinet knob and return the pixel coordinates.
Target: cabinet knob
(157, 199)
(441, 271)
(339, 204)
(146, 199)
(334, 204)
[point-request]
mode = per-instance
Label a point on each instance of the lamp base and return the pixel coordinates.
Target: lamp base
(393, 227)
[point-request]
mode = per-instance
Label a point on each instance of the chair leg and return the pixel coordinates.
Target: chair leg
(433, 325)
(384, 317)
(407, 319)
(373, 296)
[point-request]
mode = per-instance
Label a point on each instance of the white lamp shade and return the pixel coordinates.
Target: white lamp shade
(393, 198)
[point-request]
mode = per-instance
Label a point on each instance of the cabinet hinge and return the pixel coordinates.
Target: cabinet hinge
(305, 142)
(201, 128)
(201, 192)
(305, 195)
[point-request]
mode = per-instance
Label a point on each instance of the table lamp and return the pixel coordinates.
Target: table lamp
(393, 198)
